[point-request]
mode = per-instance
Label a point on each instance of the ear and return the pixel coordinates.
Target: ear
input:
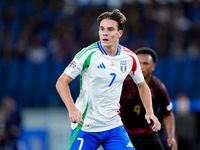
(120, 32)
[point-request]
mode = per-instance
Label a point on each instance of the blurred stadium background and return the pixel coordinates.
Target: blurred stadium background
(38, 38)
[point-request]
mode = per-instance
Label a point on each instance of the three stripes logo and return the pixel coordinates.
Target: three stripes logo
(101, 66)
(129, 144)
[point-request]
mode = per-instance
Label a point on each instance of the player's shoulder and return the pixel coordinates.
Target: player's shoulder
(87, 50)
(158, 83)
(126, 50)
(92, 46)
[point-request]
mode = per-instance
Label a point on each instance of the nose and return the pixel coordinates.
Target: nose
(141, 65)
(105, 34)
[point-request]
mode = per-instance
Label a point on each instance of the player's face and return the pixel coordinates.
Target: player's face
(147, 64)
(108, 33)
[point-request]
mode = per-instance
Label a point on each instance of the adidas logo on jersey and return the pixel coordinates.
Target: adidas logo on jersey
(101, 66)
(129, 144)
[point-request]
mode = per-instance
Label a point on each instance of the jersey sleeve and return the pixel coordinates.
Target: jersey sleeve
(81, 61)
(166, 104)
(136, 72)
(75, 67)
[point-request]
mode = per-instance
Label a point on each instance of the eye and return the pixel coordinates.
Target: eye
(101, 28)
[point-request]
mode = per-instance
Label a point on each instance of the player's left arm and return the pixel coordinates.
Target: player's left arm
(170, 127)
(169, 121)
(145, 96)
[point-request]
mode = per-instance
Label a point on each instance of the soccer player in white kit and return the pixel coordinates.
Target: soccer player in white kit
(102, 67)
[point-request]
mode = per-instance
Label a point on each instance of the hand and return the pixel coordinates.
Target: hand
(172, 143)
(75, 116)
(156, 126)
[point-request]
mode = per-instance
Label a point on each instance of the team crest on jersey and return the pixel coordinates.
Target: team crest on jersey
(123, 66)
(72, 65)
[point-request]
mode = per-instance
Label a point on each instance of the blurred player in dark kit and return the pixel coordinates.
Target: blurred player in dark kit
(133, 112)
(186, 123)
(12, 127)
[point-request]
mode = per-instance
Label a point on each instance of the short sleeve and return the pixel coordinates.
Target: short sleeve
(136, 72)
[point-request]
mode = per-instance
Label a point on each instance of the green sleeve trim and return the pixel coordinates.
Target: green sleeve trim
(86, 65)
(87, 61)
(82, 52)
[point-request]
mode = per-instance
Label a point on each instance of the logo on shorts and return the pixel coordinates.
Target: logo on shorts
(129, 144)
(72, 65)
(123, 66)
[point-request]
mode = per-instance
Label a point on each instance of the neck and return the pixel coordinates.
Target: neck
(111, 50)
(148, 79)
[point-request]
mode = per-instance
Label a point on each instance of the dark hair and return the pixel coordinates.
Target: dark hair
(147, 50)
(114, 15)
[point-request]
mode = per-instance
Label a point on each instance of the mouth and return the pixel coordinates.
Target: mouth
(105, 40)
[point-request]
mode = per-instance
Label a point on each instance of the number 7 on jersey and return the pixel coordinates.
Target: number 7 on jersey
(114, 75)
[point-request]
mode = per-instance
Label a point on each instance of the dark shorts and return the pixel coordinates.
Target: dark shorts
(147, 142)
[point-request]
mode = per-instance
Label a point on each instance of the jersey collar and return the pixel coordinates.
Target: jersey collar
(104, 52)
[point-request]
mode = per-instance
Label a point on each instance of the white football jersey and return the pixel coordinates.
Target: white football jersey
(101, 80)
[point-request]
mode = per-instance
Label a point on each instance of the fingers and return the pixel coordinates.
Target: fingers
(148, 118)
(75, 116)
(174, 147)
(172, 144)
(77, 120)
(80, 121)
(148, 121)
(157, 126)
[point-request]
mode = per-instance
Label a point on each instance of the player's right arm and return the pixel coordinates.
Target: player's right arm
(62, 87)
